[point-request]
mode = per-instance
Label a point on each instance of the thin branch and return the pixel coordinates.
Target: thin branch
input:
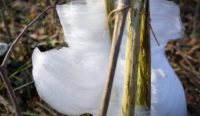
(115, 47)
(3, 75)
(3, 72)
(46, 108)
(154, 34)
(196, 73)
(6, 104)
(21, 34)
(25, 85)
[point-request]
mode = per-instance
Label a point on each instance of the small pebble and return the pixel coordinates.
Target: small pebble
(3, 48)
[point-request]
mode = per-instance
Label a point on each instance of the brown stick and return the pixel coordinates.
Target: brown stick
(115, 47)
(188, 62)
(3, 72)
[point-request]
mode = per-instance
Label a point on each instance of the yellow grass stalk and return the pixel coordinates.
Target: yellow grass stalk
(136, 94)
(144, 72)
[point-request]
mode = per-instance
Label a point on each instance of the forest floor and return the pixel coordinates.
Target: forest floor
(183, 53)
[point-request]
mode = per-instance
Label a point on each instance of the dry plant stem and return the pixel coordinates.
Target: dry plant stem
(21, 34)
(110, 7)
(154, 34)
(117, 36)
(137, 18)
(9, 88)
(46, 108)
(188, 62)
(3, 72)
(7, 105)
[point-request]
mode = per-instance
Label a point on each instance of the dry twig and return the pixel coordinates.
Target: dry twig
(3, 71)
(7, 105)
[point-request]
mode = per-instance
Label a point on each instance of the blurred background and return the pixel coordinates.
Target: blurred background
(183, 53)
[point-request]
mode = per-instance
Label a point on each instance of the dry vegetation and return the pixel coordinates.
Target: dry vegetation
(183, 54)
